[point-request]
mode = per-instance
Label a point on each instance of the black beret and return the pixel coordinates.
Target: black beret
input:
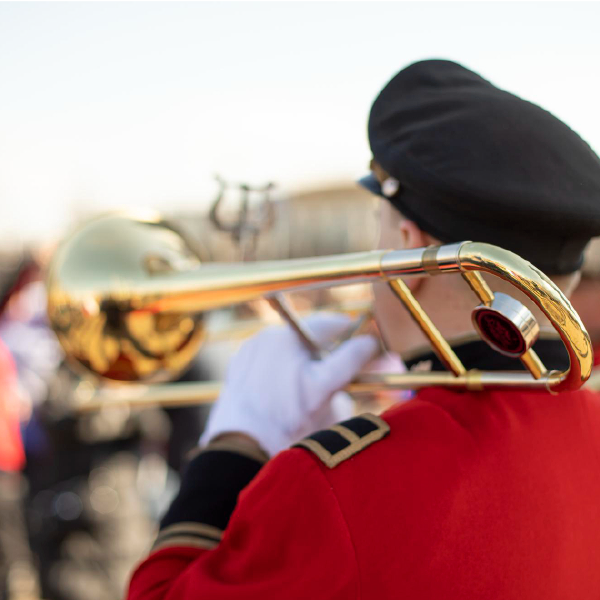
(475, 162)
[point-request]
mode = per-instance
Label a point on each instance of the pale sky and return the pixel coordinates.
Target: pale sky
(139, 104)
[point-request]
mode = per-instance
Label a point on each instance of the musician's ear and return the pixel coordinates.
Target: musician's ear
(397, 232)
(411, 236)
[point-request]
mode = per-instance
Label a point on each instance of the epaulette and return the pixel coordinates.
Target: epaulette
(338, 443)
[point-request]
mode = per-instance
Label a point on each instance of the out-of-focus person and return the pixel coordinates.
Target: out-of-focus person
(18, 577)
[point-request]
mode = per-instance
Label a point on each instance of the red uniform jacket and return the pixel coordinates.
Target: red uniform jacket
(468, 496)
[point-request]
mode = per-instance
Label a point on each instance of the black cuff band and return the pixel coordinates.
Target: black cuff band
(211, 485)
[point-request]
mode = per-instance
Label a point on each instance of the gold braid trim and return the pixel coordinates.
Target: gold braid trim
(188, 534)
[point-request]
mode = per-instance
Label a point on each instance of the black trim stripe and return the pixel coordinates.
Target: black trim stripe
(332, 441)
(359, 426)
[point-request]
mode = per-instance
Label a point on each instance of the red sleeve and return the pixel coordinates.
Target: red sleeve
(287, 538)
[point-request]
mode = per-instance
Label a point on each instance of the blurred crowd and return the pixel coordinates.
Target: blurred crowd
(79, 495)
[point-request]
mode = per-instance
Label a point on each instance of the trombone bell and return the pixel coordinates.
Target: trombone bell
(97, 307)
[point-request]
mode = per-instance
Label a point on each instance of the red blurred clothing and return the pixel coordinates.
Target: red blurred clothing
(486, 496)
(12, 455)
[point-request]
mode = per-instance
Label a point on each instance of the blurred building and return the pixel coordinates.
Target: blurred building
(318, 222)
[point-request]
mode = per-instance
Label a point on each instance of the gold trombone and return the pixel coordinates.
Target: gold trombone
(126, 296)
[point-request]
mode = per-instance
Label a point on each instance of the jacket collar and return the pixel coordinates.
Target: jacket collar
(476, 354)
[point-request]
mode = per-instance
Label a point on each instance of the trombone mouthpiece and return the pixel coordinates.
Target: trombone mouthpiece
(507, 325)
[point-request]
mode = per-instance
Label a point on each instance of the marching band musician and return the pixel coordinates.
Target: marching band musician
(452, 494)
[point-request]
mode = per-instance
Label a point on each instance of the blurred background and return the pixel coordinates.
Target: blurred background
(254, 110)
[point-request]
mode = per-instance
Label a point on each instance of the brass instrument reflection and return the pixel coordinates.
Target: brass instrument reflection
(126, 297)
(113, 334)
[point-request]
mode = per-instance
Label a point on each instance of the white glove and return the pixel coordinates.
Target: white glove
(277, 395)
